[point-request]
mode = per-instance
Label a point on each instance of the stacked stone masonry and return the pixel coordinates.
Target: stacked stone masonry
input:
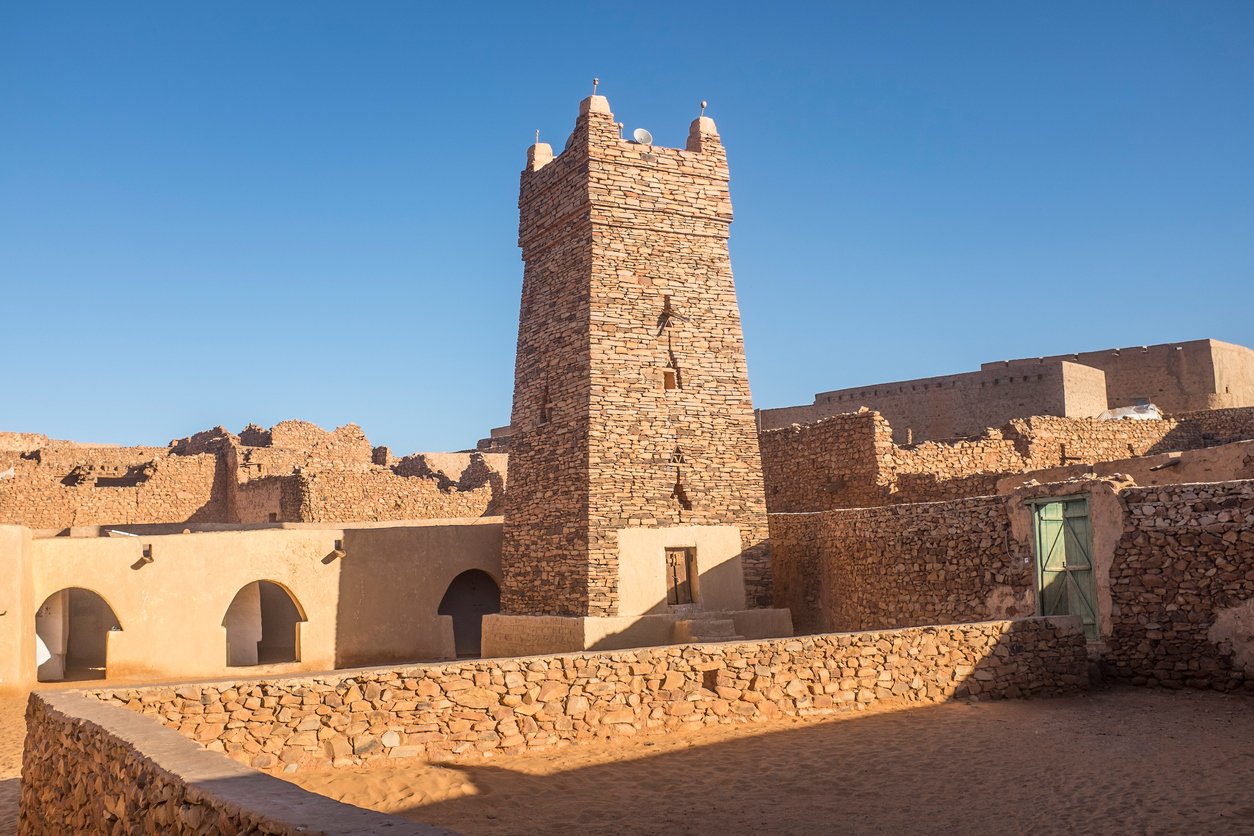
(1183, 580)
(512, 705)
(850, 460)
(631, 400)
(111, 774)
(293, 472)
(1175, 582)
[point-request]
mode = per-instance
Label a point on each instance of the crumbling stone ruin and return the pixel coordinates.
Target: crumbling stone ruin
(293, 472)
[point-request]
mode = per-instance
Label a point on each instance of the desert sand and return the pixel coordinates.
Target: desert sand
(1119, 761)
(12, 732)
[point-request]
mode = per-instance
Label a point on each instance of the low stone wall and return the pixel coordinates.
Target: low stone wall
(510, 705)
(89, 767)
(901, 565)
(1173, 572)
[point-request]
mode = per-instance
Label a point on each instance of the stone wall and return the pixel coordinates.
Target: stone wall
(1174, 572)
(850, 461)
(901, 565)
(509, 705)
(64, 486)
(1216, 426)
(94, 768)
(293, 472)
(1183, 581)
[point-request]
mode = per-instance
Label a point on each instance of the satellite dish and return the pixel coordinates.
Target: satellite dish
(642, 136)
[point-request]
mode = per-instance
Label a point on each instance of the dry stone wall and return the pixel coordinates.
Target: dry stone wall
(294, 472)
(900, 565)
(849, 461)
(1183, 584)
(1175, 580)
(94, 768)
(511, 705)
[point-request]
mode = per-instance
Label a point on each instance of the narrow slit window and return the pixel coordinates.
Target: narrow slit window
(546, 406)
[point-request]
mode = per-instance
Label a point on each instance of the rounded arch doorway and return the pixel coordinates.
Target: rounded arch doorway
(472, 595)
(263, 625)
(72, 629)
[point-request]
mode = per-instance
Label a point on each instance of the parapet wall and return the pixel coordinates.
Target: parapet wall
(509, 705)
(95, 768)
(1174, 572)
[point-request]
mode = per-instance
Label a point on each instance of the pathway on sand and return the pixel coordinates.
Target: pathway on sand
(1126, 760)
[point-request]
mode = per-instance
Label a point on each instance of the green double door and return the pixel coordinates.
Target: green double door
(1064, 562)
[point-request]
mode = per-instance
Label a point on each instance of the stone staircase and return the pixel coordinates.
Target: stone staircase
(699, 626)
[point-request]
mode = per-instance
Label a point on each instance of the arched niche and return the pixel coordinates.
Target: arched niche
(72, 629)
(263, 625)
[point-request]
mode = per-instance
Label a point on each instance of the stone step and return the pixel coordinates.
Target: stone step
(707, 630)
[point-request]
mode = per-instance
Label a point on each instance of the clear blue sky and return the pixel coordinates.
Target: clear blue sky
(216, 213)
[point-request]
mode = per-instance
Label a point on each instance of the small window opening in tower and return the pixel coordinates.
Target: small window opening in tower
(677, 457)
(669, 380)
(546, 406)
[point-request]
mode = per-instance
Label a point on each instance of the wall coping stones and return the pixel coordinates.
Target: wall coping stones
(211, 778)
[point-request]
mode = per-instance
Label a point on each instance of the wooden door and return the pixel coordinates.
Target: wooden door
(1064, 547)
(680, 567)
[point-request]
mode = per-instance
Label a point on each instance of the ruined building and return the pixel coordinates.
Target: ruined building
(1177, 377)
(635, 478)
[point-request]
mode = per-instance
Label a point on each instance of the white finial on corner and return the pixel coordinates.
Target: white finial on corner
(595, 81)
(537, 136)
(704, 105)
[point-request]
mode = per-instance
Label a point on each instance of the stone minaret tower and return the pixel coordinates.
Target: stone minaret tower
(635, 481)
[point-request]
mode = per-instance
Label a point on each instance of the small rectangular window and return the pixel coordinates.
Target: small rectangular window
(668, 379)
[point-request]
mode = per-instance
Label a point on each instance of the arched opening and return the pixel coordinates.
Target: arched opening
(262, 626)
(470, 596)
(72, 629)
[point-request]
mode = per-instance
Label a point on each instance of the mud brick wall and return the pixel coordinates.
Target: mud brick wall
(1182, 580)
(93, 768)
(627, 278)
(900, 565)
(509, 705)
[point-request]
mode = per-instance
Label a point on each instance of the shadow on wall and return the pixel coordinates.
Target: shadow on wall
(392, 582)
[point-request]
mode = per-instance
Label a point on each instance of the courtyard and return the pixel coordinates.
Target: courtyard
(1123, 760)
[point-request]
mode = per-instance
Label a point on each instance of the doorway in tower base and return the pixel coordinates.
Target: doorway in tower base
(472, 595)
(263, 625)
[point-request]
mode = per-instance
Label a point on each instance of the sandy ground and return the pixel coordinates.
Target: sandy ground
(12, 733)
(1120, 761)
